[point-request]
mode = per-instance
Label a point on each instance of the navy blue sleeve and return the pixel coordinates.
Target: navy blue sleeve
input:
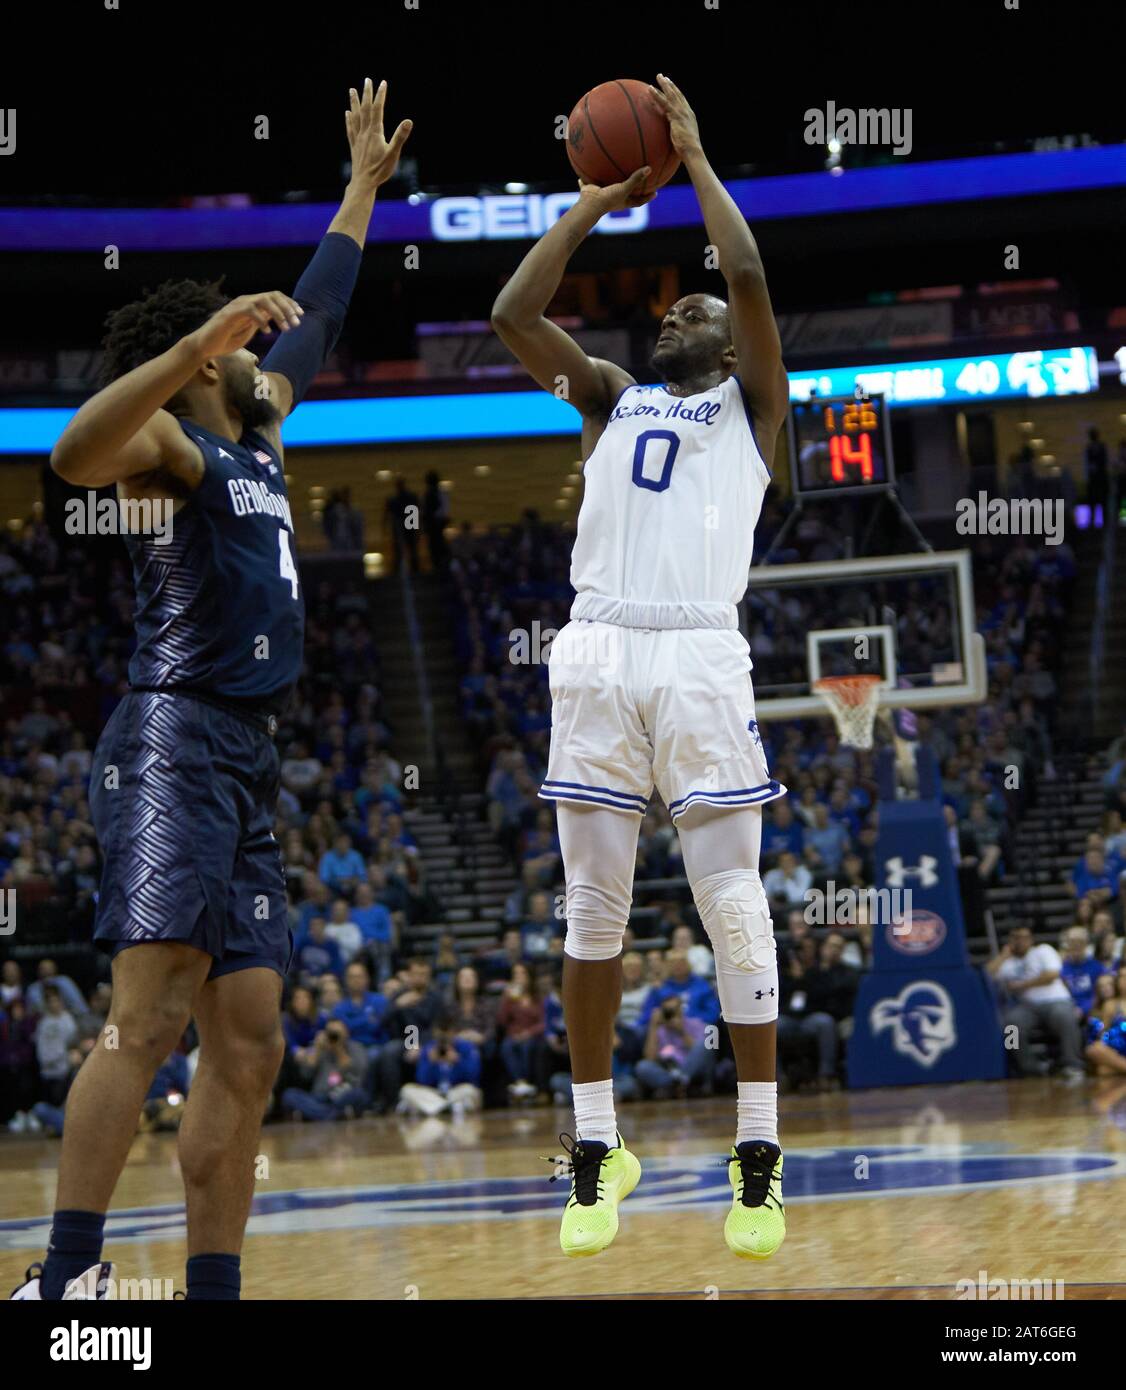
(324, 292)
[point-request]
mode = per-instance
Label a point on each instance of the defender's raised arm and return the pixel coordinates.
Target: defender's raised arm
(127, 431)
(325, 288)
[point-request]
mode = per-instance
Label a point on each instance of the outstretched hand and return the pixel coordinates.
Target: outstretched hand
(374, 157)
(238, 321)
(683, 130)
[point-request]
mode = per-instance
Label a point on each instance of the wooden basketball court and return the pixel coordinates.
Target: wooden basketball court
(890, 1194)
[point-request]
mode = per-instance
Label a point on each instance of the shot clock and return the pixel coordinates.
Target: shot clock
(840, 444)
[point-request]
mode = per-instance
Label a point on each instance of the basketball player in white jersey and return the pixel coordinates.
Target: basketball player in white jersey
(650, 680)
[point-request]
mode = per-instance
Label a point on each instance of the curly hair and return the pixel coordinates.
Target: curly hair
(142, 330)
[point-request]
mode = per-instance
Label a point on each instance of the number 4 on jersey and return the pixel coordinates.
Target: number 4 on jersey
(286, 566)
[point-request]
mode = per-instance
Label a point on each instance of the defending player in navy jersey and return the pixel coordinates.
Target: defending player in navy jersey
(185, 777)
(650, 680)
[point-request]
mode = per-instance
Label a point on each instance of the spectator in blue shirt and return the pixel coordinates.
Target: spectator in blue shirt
(316, 954)
(700, 999)
(372, 918)
(378, 931)
(828, 839)
(342, 867)
(316, 901)
(541, 936)
(540, 851)
(48, 973)
(299, 1022)
(361, 1009)
(621, 1070)
(554, 1052)
(1090, 878)
(1080, 971)
(399, 835)
(448, 1077)
(781, 832)
(1112, 858)
(843, 811)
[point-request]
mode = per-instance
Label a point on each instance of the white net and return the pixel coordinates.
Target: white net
(852, 701)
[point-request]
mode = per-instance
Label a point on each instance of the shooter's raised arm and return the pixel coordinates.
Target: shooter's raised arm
(551, 356)
(753, 329)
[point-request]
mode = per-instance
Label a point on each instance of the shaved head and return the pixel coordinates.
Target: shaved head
(715, 306)
(695, 340)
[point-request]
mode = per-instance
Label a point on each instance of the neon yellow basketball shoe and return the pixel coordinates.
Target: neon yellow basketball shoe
(600, 1179)
(756, 1224)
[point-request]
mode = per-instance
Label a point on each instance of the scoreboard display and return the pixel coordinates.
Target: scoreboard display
(840, 444)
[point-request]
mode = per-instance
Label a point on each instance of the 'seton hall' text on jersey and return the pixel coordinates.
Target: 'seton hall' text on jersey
(704, 413)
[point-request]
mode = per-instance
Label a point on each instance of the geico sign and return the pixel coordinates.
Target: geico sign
(517, 215)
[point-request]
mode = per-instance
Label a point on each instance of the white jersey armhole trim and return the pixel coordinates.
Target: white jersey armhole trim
(751, 426)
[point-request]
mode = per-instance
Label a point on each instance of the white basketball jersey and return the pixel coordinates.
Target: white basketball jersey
(672, 493)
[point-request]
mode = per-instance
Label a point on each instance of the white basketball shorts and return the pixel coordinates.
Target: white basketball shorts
(631, 707)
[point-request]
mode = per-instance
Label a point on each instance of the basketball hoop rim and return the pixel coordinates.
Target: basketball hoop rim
(849, 690)
(854, 702)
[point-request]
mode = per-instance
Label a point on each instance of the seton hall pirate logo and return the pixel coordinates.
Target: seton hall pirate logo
(920, 1019)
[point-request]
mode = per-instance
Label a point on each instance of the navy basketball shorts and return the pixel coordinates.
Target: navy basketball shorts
(183, 796)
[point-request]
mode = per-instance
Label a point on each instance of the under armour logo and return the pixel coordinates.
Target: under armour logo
(765, 994)
(924, 871)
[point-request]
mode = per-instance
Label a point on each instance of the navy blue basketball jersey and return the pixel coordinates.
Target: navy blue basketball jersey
(220, 608)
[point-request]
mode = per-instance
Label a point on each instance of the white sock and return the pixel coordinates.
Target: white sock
(594, 1112)
(757, 1108)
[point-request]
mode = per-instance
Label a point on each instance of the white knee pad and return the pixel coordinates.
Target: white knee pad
(596, 921)
(736, 917)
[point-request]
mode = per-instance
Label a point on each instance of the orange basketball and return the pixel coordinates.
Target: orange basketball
(617, 128)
